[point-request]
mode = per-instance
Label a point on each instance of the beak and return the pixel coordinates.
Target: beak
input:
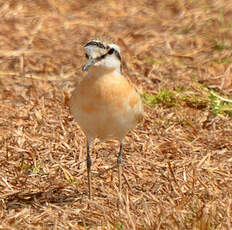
(91, 61)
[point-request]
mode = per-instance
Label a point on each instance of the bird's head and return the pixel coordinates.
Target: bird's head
(102, 55)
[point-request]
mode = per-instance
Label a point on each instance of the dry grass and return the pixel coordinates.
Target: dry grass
(177, 164)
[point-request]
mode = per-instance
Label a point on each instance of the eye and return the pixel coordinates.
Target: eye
(87, 56)
(110, 51)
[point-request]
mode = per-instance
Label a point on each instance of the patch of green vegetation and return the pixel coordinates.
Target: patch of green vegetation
(36, 168)
(224, 61)
(164, 96)
(148, 99)
(216, 103)
(167, 97)
(175, 98)
(195, 101)
(220, 106)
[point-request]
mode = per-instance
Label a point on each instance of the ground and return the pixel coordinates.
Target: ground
(177, 164)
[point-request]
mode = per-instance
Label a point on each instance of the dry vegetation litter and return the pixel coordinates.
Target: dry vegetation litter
(177, 163)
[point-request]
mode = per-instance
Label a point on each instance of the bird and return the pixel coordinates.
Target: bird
(105, 104)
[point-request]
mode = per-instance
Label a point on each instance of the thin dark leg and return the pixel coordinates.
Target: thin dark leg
(119, 161)
(89, 163)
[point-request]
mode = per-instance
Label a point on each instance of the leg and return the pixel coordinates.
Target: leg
(89, 163)
(119, 161)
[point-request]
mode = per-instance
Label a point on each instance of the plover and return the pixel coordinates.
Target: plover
(105, 104)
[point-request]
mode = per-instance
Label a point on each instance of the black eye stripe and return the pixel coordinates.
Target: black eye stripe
(109, 52)
(95, 43)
